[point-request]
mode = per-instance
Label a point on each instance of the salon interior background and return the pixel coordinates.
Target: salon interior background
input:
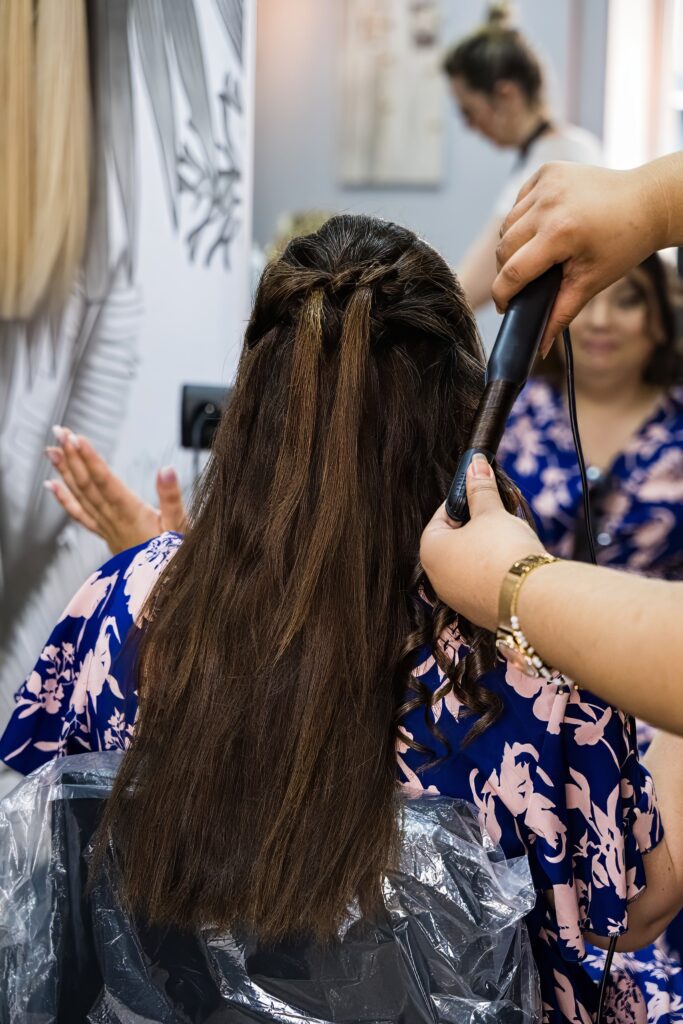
(297, 109)
(609, 66)
(261, 123)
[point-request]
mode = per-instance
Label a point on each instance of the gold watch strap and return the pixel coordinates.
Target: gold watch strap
(511, 586)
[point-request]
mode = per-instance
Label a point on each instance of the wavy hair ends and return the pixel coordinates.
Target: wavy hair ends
(45, 156)
(260, 790)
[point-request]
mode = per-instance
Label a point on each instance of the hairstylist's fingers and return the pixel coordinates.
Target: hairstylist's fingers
(440, 522)
(171, 505)
(516, 236)
(72, 507)
(482, 490)
(525, 265)
(570, 300)
(521, 209)
(529, 185)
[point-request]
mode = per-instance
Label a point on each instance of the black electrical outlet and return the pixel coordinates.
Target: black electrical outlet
(201, 406)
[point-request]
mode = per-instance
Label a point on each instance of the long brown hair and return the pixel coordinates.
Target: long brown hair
(259, 790)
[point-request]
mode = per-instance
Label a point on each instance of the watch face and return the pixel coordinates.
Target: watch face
(517, 659)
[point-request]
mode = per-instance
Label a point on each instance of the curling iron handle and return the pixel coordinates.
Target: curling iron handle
(489, 423)
(507, 371)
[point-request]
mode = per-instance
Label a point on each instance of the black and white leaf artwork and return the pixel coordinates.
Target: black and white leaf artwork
(77, 369)
(214, 187)
(198, 162)
(232, 15)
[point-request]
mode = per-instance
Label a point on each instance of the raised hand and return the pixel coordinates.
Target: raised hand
(95, 497)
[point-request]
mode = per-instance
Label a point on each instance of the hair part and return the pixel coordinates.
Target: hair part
(282, 636)
(494, 53)
(45, 156)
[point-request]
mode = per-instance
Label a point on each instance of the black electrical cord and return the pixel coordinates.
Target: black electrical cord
(604, 981)
(573, 419)
(206, 414)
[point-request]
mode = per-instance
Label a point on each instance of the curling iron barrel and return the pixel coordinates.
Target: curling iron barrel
(507, 372)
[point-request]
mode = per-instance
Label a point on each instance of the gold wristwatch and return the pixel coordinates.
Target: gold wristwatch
(510, 639)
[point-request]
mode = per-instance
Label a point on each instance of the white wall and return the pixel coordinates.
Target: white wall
(296, 131)
(193, 315)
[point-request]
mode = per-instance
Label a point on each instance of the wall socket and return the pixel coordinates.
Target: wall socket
(201, 406)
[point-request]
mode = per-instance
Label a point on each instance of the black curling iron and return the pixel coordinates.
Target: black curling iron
(507, 372)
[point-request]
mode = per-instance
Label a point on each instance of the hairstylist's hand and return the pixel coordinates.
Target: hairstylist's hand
(466, 564)
(95, 497)
(598, 223)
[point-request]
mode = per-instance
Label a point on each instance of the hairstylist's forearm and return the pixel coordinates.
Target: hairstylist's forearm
(618, 635)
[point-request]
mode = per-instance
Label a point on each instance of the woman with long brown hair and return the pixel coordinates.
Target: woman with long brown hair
(289, 651)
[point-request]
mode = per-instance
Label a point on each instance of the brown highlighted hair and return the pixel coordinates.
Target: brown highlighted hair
(260, 789)
(496, 53)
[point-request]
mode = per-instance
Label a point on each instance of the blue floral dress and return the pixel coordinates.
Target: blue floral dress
(637, 503)
(557, 777)
(637, 507)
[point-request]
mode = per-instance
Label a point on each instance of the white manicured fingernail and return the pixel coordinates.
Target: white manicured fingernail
(60, 433)
(167, 475)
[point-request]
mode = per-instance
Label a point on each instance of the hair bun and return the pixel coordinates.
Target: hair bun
(499, 15)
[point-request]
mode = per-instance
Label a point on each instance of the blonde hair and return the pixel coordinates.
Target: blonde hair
(45, 152)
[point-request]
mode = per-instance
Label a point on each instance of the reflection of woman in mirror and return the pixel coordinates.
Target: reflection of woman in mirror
(291, 661)
(628, 374)
(497, 82)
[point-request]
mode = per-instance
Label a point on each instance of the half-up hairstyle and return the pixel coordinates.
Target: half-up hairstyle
(259, 791)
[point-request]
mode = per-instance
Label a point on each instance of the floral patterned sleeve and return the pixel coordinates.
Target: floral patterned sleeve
(556, 777)
(81, 693)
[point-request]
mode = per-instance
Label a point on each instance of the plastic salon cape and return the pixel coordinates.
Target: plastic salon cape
(451, 945)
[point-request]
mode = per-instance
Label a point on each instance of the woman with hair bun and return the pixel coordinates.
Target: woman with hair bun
(497, 82)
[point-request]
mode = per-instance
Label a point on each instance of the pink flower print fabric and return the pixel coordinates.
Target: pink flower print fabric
(81, 694)
(637, 506)
(557, 777)
(638, 517)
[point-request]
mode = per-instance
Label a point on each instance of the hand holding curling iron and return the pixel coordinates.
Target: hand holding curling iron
(598, 223)
(466, 566)
(591, 623)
